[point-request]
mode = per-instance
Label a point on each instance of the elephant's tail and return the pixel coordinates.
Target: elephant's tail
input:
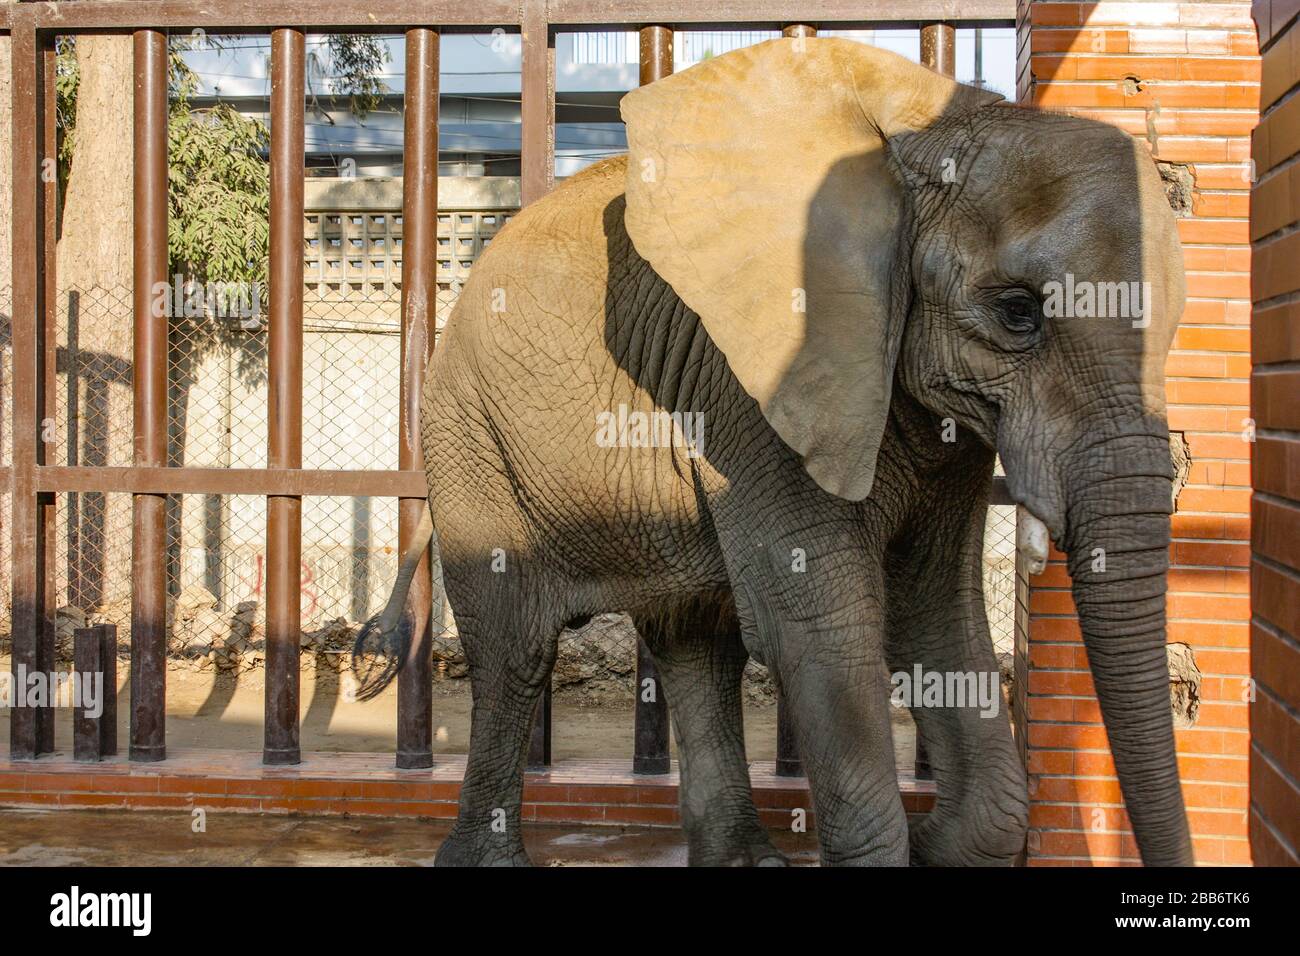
(385, 640)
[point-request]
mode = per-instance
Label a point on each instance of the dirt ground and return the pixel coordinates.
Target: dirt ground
(115, 838)
(215, 710)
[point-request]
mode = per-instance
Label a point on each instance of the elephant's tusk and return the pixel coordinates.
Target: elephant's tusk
(1032, 540)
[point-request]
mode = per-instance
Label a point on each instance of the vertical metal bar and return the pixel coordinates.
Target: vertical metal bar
(939, 53)
(537, 102)
(45, 504)
(108, 661)
(284, 411)
(537, 176)
(787, 758)
(87, 662)
(921, 759)
(651, 754)
(419, 317)
(539, 745)
(149, 540)
(28, 555)
(788, 763)
(939, 47)
(656, 59)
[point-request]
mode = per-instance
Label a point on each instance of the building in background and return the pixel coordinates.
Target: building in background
(479, 103)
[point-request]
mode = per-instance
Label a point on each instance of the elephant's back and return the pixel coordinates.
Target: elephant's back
(549, 343)
(545, 275)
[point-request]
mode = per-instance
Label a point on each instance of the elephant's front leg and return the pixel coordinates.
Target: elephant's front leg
(937, 622)
(701, 661)
(835, 687)
(820, 628)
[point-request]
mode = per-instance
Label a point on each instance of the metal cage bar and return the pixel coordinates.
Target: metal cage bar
(34, 485)
(419, 314)
(939, 53)
(537, 178)
(651, 754)
(326, 16)
(149, 385)
(284, 398)
(31, 729)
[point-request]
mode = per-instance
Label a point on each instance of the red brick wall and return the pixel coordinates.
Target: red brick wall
(1184, 78)
(1275, 393)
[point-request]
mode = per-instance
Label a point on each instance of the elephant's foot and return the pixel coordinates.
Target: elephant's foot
(766, 855)
(480, 849)
(745, 845)
(973, 841)
(759, 853)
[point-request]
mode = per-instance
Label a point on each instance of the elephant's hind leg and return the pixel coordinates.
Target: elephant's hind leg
(701, 660)
(509, 632)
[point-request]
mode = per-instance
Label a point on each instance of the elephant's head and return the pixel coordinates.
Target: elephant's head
(846, 222)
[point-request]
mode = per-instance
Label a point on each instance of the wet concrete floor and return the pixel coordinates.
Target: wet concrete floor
(125, 838)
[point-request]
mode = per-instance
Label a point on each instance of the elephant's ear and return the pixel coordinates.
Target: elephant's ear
(758, 188)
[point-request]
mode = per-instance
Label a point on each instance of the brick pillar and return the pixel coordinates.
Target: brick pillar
(1183, 78)
(1275, 569)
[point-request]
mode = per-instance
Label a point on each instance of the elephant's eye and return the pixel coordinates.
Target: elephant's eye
(1020, 311)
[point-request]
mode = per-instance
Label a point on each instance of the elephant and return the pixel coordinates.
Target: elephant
(748, 383)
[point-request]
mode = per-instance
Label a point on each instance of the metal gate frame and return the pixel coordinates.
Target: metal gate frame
(33, 484)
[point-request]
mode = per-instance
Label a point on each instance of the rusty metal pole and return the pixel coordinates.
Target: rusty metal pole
(149, 359)
(284, 406)
(45, 505)
(939, 47)
(799, 30)
(419, 317)
(29, 727)
(788, 763)
(939, 53)
(536, 103)
(537, 176)
(108, 660)
(87, 661)
(650, 753)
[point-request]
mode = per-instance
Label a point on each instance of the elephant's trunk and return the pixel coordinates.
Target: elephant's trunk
(1118, 545)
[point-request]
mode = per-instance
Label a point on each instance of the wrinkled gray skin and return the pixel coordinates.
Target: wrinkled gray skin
(699, 549)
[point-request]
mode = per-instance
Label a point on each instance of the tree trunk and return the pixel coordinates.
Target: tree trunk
(95, 326)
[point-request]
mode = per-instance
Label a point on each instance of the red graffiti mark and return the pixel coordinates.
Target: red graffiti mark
(308, 596)
(306, 593)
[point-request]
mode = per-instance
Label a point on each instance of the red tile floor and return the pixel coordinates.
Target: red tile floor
(586, 791)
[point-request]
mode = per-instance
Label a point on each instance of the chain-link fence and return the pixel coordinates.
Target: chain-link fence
(217, 418)
(217, 404)
(1000, 579)
(218, 391)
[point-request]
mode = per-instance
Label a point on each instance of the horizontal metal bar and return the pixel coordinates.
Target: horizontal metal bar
(327, 16)
(263, 481)
(242, 16)
(290, 482)
(774, 13)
